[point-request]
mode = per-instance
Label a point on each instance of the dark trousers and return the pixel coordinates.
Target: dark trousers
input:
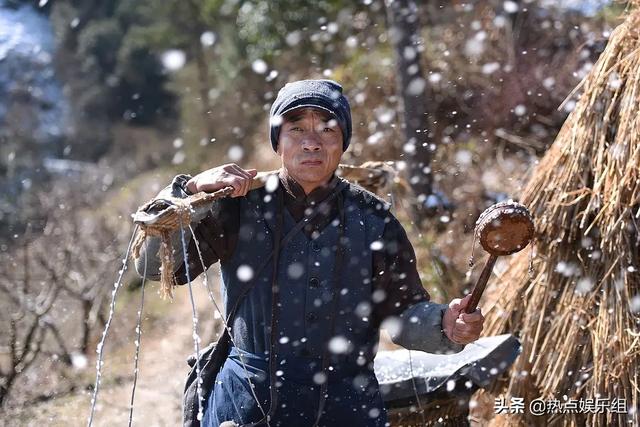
(354, 398)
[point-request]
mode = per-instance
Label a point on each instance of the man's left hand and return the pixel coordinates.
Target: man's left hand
(461, 327)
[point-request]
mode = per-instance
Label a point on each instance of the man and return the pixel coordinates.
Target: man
(326, 263)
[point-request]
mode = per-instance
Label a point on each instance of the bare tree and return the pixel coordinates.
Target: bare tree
(52, 288)
(29, 323)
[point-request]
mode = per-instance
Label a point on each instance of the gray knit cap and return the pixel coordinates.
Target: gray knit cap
(323, 94)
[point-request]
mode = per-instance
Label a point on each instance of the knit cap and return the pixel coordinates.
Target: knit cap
(323, 94)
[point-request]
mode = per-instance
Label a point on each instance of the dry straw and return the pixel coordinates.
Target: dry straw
(579, 315)
(163, 217)
(181, 213)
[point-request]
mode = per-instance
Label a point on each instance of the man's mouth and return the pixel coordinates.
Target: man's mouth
(312, 162)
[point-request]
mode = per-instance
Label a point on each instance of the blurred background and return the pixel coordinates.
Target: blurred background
(102, 102)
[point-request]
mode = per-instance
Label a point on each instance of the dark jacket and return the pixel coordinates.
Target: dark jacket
(398, 296)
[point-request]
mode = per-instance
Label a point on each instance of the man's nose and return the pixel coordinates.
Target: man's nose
(311, 142)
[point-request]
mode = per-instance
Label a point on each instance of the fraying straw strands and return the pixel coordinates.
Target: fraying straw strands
(161, 218)
(579, 316)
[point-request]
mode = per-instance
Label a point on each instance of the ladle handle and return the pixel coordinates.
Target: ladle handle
(481, 284)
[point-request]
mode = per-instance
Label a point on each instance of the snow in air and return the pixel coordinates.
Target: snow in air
(173, 59)
(244, 273)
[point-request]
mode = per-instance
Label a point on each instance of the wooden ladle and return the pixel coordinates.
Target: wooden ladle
(503, 229)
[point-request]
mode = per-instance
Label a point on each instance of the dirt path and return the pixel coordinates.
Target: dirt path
(166, 342)
(162, 370)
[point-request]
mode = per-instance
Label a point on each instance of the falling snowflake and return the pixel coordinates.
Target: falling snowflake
(319, 378)
(173, 59)
(295, 270)
(259, 66)
(208, 38)
(272, 183)
(178, 158)
(490, 67)
(451, 385)
(235, 153)
(416, 86)
(339, 345)
(244, 273)
(510, 6)
(393, 325)
(376, 245)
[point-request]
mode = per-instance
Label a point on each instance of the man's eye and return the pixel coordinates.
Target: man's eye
(296, 128)
(327, 129)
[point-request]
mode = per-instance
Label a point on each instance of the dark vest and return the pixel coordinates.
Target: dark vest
(304, 277)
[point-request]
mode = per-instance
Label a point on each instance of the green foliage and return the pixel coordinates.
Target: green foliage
(115, 58)
(97, 46)
(269, 28)
(112, 65)
(139, 80)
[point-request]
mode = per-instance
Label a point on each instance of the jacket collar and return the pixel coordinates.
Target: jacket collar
(295, 195)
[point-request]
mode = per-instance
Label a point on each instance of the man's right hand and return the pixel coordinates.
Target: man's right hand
(223, 176)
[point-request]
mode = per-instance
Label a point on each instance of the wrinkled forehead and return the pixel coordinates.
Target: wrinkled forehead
(307, 112)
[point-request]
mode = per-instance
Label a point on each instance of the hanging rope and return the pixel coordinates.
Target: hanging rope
(415, 390)
(205, 278)
(138, 342)
(112, 307)
(194, 318)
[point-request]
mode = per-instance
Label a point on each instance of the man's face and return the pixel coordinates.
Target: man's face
(310, 146)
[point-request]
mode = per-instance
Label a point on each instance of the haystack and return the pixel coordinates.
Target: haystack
(578, 316)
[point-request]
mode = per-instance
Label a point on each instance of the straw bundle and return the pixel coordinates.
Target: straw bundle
(179, 214)
(579, 315)
(164, 216)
